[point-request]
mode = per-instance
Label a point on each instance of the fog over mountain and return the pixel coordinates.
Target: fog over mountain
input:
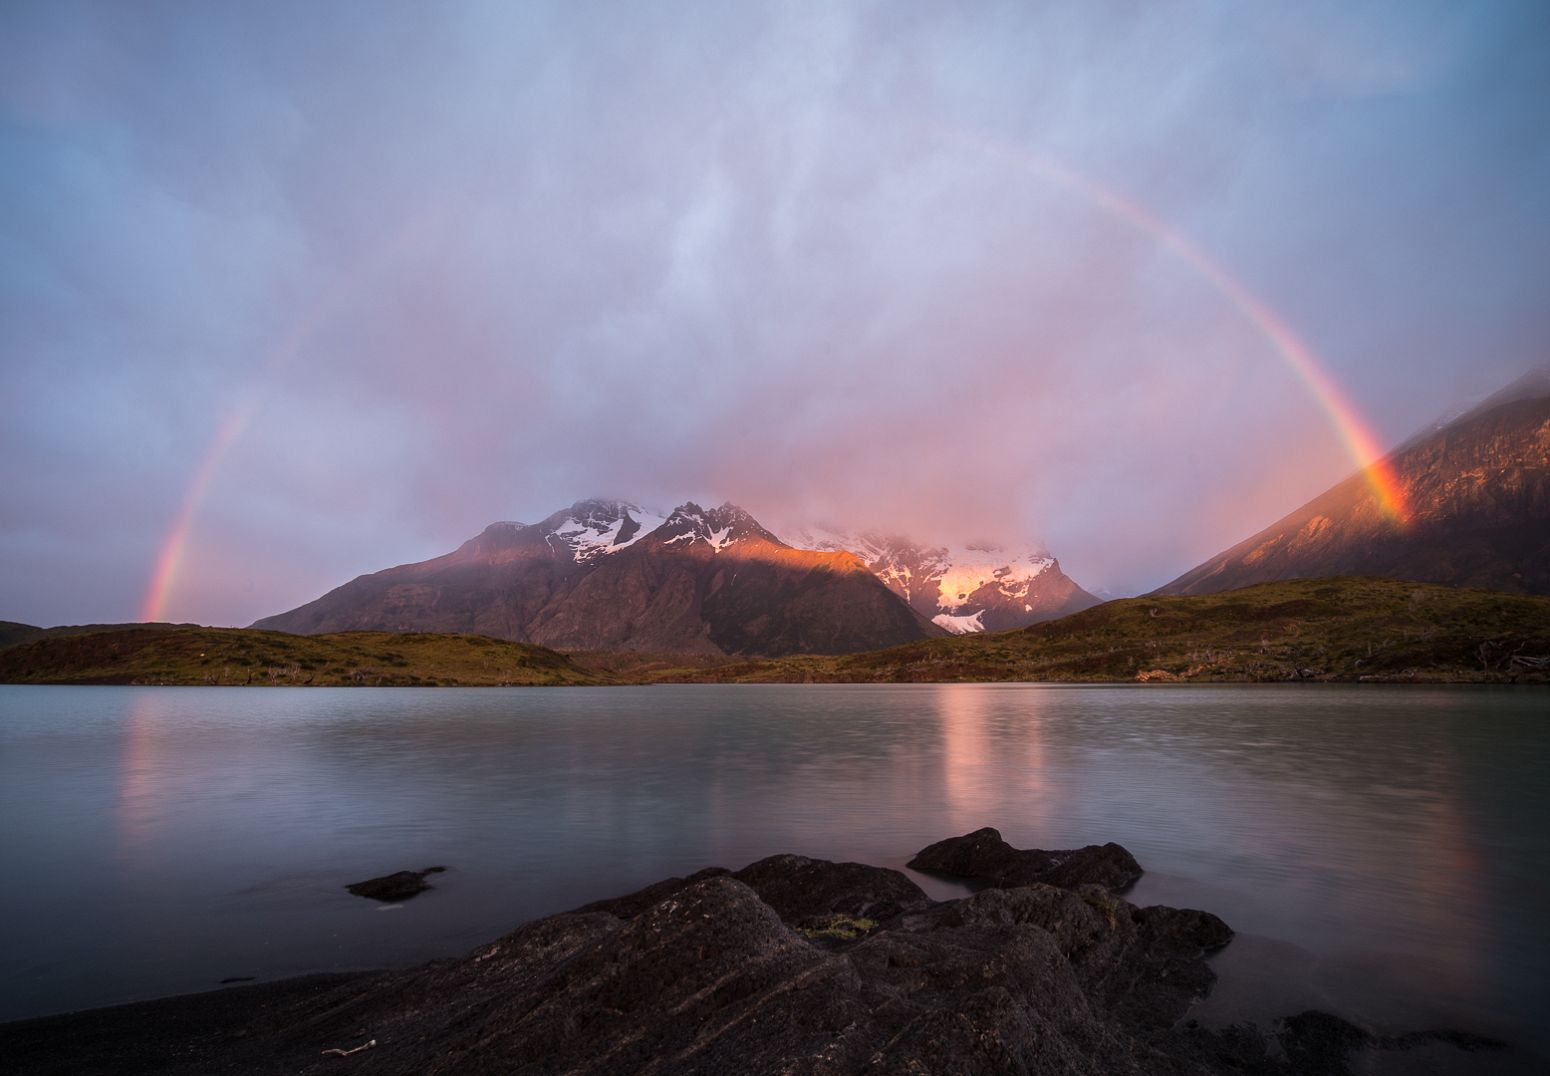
(290, 292)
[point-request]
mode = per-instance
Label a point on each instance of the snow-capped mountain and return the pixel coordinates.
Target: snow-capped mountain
(596, 528)
(964, 588)
(612, 575)
(720, 528)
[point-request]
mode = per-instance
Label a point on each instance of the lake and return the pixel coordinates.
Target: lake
(1383, 852)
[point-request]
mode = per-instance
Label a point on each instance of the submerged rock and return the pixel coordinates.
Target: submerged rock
(395, 887)
(983, 855)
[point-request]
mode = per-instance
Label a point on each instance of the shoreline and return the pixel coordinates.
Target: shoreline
(1369, 681)
(1335, 630)
(789, 961)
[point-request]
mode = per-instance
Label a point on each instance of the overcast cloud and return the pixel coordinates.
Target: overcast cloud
(467, 262)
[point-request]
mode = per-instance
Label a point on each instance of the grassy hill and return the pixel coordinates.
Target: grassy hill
(12, 633)
(1342, 629)
(194, 655)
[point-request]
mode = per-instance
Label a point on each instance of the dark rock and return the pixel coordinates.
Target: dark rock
(1318, 1043)
(707, 975)
(1145, 964)
(799, 889)
(985, 856)
(632, 904)
(395, 887)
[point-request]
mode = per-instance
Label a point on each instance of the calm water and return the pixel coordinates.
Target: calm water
(1384, 852)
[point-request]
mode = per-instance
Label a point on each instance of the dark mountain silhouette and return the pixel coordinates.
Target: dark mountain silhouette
(609, 575)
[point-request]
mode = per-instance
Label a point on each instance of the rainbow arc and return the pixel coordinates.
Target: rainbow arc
(1355, 434)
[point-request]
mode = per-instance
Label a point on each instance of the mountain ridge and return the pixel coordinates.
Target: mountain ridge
(966, 588)
(611, 575)
(1477, 491)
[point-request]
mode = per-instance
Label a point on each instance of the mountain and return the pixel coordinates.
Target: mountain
(961, 588)
(12, 633)
(1476, 491)
(610, 575)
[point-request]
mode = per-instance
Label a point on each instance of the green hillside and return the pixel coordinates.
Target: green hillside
(1343, 629)
(193, 655)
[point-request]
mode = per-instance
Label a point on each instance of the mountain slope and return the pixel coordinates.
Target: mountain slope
(1339, 629)
(608, 575)
(963, 589)
(1477, 489)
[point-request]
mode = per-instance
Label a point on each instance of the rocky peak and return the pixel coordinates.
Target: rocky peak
(719, 527)
(962, 588)
(592, 528)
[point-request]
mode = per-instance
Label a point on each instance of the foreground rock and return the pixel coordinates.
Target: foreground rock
(395, 887)
(791, 965)
(984, 856)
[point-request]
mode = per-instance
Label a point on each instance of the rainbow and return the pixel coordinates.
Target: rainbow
(170, 558)
(1360, 442)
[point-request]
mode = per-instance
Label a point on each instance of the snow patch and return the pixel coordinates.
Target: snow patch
(966, 569)
(951, 575)
(649, 521)
(960, 625)
(599, 534)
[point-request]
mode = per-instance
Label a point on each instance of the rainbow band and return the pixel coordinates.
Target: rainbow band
(1361, 444)
(171, 556)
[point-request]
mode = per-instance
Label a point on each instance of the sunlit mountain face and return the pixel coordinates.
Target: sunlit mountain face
(962, 588)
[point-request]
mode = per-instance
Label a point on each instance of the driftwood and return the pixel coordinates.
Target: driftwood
(335, 1051)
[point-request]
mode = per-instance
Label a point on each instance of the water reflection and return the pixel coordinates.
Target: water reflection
(1379, 851)
(992, 756)
(140, 778)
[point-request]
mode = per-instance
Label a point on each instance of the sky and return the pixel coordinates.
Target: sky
(290, 292)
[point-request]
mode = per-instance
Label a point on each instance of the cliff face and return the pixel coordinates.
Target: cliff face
(1477, 497)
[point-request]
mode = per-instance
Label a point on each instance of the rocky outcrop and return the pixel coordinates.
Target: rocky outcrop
(985, 857)
(723, 972)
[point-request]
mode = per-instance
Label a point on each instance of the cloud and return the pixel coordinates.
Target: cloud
(478, 261)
